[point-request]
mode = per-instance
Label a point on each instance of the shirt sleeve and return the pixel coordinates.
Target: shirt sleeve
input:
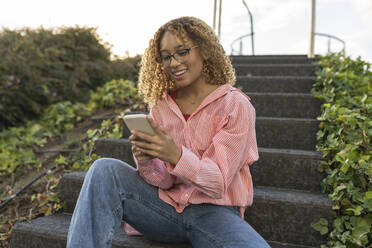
(233, 146)
(154, 171)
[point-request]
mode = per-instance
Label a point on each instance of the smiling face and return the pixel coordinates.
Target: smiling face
(187, 73)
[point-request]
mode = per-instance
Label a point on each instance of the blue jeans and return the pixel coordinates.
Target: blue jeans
(113, 191)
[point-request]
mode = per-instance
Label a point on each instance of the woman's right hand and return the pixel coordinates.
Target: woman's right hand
(140, 156)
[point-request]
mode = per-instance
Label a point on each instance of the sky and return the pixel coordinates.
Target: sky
(280, 26)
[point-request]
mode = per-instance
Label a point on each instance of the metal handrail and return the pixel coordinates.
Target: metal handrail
(329, 41)
(243, 36)
(240, 51)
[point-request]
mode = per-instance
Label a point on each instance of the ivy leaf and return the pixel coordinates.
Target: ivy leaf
(61, 160)
(338, 224)
(321, 226)
(368, 195)
(357, 210)
(362, 228)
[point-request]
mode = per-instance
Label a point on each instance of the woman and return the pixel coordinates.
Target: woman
(192, 182)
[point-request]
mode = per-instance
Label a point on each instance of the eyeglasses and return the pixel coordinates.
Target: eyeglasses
(180, 56)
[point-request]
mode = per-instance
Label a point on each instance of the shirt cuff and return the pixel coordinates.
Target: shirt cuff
(188, 166)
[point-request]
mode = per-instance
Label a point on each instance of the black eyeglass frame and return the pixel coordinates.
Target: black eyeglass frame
(171, 56)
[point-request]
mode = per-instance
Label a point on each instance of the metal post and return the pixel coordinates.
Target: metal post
(241, 47)
(219, 20)
(312, 35)
(252, 33)
(329, 45)
(214, 15)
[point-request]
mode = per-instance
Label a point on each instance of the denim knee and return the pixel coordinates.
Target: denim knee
(102, 170)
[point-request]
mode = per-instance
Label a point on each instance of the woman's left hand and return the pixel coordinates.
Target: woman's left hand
(161, 145)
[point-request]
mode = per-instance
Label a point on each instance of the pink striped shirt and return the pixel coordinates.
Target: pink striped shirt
(218, 144)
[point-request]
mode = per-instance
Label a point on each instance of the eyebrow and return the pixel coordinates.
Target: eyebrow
(179, 46)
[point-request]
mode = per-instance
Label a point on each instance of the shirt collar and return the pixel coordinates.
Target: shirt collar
(213, 96)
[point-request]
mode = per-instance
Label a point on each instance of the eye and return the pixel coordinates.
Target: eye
(182, 52)
(165, 57)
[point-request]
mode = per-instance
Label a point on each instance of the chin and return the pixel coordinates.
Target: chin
(181, 84)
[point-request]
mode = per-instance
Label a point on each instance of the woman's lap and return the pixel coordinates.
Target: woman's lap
(142, 208)
(220, 226)
(138, 204)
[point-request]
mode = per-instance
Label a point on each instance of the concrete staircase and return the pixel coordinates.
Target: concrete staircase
(288, 196)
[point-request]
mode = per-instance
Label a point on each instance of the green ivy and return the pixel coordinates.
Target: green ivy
(345, 86)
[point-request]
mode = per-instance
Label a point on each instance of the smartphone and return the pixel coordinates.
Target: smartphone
(139, 122)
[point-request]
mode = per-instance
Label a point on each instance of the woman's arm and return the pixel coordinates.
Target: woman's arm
(232, 147)
(155, 172)
(151, 169)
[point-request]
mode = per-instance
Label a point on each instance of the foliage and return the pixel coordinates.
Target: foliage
(127, 68)
(40, 67)
(345, 86)
(18, 144)
(116, 92)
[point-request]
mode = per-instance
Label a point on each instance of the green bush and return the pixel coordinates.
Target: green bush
(41, 67)
(127, 68)
(345, 86)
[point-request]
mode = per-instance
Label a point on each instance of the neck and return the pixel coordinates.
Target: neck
(196, 92)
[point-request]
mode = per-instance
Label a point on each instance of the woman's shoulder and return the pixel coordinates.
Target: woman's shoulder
(236, 97)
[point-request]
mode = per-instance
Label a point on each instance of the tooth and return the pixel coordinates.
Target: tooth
(179, 72)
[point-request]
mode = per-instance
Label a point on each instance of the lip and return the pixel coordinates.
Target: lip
(181, 76)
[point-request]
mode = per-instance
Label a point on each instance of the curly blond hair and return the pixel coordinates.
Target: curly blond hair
(154, 81)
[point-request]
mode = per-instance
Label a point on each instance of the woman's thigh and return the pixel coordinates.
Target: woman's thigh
(220, 226)
(141, 206)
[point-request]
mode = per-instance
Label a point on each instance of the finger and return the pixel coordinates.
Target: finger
(151, 153)
(142, 136)
(134, 140)
(133, 137)
(143, 158)
(154, 126)
(164, 131)
(148, 146)
(137, 153)
(133, 149)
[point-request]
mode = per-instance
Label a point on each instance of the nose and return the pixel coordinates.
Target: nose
(174, 62)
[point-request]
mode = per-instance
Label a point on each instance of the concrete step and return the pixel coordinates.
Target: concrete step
(51, 232)
(287, 215)
(290, 169)
(294, 169)
(286, 133)
(295, 105)
(272, 222)
(271, 60)
(275, 84)
(281, 132)
(115, 148)
(275, 69)
(69, 188)
(304, 56)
